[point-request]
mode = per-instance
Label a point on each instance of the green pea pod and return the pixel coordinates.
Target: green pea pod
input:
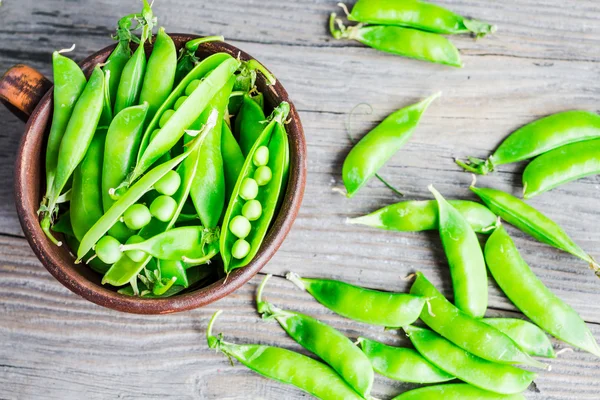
(529, 220)
(275, 138)
(528, 336)
(532, 297)
(63, 225)
(539, 137)
(86, 200)
(360, 304)
(380, 144)
(131, 81)
(285, 366)
(160, 73)
(187, 56)
(560, 166)
(465, 259)
(174, 244)
(455, 391)
(184, 117)
(406, 42)
(324, 341)
(417, 14)
(69, 83)
(174, 269)
(249, 123)
(134, 193)
(417, 216)
(401, 364)
(115, 64)
(122, 142)
(467, 332)
(486, 375)
(233, 159)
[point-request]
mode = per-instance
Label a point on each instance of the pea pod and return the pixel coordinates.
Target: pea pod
(160, 73)
(486, 375)
(528, 336)
(465, 259)
(362, 305)
(273, 137)
(417, 14)
(187, 56)
(174, 244)
(560, 166)
(323, 340)
(233, 159)
(416, 216)
(455, 391)
(285, 366)
(249, 123)
(401, 363)
(466, 332)
(115, 64)
(539, 137)
(174, 269)
(412, 43)
(532, 297)
(380, 144)
(63, 225)
(529, 220)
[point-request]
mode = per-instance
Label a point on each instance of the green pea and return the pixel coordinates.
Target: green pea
(168, 184)
(240, 249)
(263, 175)
(179, 102)
(240, 226)
(154, 133)
(192, 86)
(137, 216)
(165, 118)
(163, 208)
(252, 210)
(261, 156)
(248, 189)
(108, 250)
(135, 255)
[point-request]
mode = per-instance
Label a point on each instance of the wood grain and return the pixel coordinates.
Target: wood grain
(544, 59)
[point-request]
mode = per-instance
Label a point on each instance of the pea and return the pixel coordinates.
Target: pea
(179, 102)
(263, 175)
(240, 226)
(137, 216)
(154, 133)
(240, 249)
(108, 250)
(135, 255)
(165, 118)
(192, 86)
(168, 184)
(248, 189)
(261, 156)
(163, 208)
(252, 210)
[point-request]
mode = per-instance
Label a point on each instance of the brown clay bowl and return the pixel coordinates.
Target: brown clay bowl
(29, 95)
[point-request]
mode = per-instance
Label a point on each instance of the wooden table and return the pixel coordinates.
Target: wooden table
(544, 59)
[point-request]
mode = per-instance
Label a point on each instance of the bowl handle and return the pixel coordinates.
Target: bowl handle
(22, 88)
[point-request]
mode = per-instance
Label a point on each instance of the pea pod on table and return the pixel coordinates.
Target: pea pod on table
(285, 366)
(528, 336)
(532, 297)
(373, 307)
(455, 391)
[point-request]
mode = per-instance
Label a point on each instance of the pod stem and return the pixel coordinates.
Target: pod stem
(295, 279)
(192, 45)
(266, 309)
(476, 165)
(70, 49)
(214, 342)
(344, 8)
(46, 225)
(192, 262)
(254, 65)
(479, 28)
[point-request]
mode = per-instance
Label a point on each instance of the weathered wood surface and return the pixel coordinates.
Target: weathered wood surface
(545, 58)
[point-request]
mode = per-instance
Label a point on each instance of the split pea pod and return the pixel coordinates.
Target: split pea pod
(233, 159)
(486, 375)
(323, 340)
(363, 305)
(249, 123)
(528, 336)
(455, 391)
(532, 297)
(263, 178)
(380, 144)
(417, 14)
(539, 137)
(560, 166)
(465, 259)
(285, 366)
(467, 332)
(175, 244)
(411, 43)
(529, 220)
(401, 363)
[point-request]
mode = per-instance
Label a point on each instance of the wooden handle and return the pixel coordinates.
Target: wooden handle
(22, 88)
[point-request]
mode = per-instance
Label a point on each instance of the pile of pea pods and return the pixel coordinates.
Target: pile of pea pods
(453, 341)
(155, 165)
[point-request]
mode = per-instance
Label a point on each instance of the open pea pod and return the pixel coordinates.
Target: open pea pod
(274, 137)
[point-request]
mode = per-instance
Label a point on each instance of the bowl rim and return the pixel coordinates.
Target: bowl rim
(78, 283)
